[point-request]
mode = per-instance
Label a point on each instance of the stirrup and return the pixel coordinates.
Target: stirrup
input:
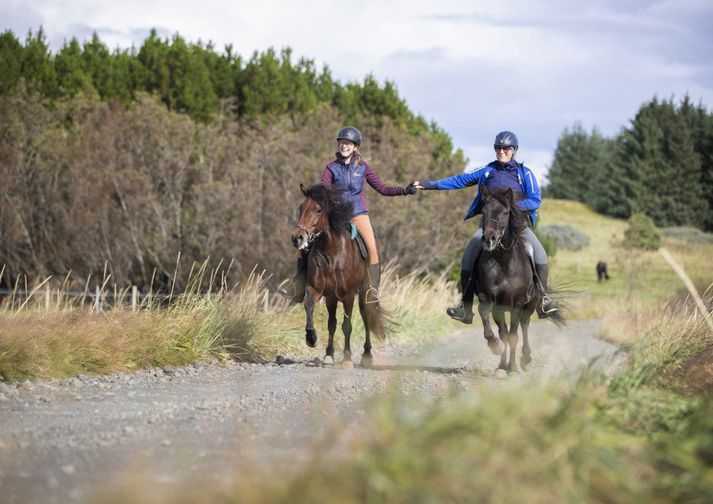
(543, 312)
(375, 295)
(290, 292)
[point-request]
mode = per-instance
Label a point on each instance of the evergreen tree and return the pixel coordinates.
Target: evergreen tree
(661, 159)
(37, 67)
(578, 160)
(155, 74)
(11, 56)
(98, 64)
(72, 76)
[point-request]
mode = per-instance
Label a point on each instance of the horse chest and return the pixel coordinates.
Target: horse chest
(503, 284)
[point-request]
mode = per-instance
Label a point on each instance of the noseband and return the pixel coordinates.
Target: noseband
(501, 227)
(311, 237)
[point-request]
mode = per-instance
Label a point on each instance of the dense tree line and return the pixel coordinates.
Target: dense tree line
(661, 165)
(86, 182)
(195, 79)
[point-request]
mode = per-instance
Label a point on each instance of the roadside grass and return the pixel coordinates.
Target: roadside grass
(230, 322)
(632, 437)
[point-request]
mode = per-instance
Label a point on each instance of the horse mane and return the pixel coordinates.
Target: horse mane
(518, 220)
(339, 212)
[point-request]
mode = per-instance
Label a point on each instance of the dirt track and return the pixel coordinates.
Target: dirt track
(62, 440)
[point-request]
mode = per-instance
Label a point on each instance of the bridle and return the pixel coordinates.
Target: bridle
(311, 237)
(502, 229)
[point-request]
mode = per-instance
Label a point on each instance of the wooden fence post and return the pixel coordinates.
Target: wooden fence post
(134, 297)
(48, 297)
(97, 302)
(266, 301)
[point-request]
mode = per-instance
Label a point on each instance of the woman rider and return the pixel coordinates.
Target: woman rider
(503, 172)
(349, 171)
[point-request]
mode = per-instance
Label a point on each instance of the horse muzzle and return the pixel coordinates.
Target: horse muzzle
(300, 239)
(490, 243)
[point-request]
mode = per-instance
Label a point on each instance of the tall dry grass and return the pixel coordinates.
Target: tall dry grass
(631, 437)
(211, 319)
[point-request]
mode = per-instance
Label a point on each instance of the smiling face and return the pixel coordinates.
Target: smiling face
(504, 154)
(346, 148)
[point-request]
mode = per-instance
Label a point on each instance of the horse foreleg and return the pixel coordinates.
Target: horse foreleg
(311, 298)
(526, 355)
(366, 359)
(331, 327)
(348, 303)
(499, 317)
(493, 342)
(515, 317)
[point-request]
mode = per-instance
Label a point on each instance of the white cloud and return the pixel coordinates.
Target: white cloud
(534, 67)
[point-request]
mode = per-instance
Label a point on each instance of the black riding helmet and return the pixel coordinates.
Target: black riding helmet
(506, 139)
(349, 133)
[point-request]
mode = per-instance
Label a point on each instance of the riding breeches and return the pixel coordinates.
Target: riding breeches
(363, 224)
(475, 245)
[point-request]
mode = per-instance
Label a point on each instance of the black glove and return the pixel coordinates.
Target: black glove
(410, 189)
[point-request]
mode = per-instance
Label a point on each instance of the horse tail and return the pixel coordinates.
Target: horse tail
(557, 318)
(560, 293)
(378, 319)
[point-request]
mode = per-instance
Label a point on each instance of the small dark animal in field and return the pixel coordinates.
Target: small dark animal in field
(602, 273)
(335, 270)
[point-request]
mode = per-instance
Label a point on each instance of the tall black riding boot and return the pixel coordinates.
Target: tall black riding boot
(299, 283)
(464, 311)
(373, 280)
(547, 306)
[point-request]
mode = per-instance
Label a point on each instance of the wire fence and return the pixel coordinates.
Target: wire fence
(99, 299)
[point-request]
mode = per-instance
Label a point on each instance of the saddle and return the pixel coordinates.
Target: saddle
(356, 235)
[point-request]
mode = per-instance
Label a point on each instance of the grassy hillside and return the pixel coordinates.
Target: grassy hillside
(639, 280)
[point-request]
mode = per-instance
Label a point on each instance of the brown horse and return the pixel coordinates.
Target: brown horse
(335, 270)
(505, 278)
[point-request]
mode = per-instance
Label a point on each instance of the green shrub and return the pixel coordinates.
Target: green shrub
(689, 234)
(563, 236)
(641, 233)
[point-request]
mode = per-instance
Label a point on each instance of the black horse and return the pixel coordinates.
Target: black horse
(505, 278)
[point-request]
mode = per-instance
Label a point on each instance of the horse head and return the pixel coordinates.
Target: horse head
(313, 221)
(496, 217)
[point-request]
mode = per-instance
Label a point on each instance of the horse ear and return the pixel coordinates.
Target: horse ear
(302, 188)
(510, 195)
(486, 193)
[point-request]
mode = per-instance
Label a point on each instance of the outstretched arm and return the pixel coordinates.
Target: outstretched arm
(374, 181)
(455, 182)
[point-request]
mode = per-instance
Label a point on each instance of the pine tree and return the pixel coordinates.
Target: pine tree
(72, 75)
(11, 56)
(37, 67)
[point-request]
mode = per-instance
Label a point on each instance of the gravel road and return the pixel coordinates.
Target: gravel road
(61, 440)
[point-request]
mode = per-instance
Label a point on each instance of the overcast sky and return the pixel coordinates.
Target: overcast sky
(475, 67)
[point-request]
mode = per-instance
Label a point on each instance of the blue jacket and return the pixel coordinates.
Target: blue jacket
(530, 189)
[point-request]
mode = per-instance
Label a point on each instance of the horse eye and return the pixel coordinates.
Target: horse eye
(319, 210)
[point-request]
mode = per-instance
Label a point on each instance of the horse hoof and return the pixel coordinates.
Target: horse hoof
(366, 361)
(328, 360)
(524, 362)
(495, 345)
(501, 373)
(347, 364)
(311, 338)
